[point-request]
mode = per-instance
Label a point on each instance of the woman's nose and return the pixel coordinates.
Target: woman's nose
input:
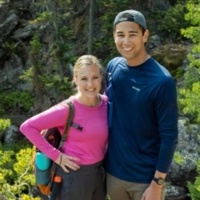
(89, 82)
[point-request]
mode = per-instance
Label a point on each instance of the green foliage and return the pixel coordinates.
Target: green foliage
(106, 48)
(44, 16)
(16, 174)
(178, 158)
(4, 123)
(193, 16)
(190, 93)
(194, 188)
(22, 100)
(173, 21)
(191, 100)
(35, 45)
(50, 70)
(32, 74)
(9, 47)
(108, 198)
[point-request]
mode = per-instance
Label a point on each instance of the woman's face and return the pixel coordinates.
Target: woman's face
(88, 80)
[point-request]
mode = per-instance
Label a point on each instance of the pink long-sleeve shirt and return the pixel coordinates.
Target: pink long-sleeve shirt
(89, 144)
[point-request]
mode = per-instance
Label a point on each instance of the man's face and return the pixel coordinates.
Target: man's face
(130, 41)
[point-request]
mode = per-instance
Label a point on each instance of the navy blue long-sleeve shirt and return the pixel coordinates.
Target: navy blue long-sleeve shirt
(143, 131)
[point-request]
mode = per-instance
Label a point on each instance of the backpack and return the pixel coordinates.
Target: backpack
(45, 178)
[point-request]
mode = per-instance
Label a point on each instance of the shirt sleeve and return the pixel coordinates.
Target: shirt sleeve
(167, 115)
(53, 117)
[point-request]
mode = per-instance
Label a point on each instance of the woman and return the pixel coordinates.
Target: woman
(80, 163)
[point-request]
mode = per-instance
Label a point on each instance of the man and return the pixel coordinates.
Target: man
(143, 115)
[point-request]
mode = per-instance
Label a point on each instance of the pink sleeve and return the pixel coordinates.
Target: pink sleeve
(53, 117)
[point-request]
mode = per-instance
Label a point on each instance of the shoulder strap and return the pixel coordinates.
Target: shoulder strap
(68, 123)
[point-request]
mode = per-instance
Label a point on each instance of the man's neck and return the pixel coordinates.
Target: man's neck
(138, 61)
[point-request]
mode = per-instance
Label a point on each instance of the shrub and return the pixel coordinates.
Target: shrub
(190, 93)
(173, 21)
(12, 101)
(194, 188)
(16, 174)
(4, 123)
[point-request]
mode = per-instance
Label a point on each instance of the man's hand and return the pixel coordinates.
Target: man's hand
(153, 192)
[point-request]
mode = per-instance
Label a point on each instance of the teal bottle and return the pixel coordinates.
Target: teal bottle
(42, 161)
(42, 168)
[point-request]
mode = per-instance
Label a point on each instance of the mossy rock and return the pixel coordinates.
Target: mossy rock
(171, 57)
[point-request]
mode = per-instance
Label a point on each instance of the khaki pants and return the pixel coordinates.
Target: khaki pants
(123, 190)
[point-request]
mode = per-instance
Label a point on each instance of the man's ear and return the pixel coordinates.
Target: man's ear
(114, 34)
(146, 35)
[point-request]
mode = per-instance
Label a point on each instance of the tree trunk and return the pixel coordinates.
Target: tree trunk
(90, 36)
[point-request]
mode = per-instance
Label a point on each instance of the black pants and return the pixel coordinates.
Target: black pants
(87, 183)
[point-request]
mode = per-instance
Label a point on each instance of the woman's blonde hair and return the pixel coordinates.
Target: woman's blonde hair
(86, 60)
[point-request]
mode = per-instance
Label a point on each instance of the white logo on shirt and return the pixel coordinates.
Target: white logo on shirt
(137, 89)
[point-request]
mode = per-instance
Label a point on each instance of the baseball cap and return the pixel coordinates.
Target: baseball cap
(132, 16)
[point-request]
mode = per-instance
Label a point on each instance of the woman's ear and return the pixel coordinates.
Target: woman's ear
(75, 80)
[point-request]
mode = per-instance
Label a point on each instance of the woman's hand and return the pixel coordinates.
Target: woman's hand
(67, 162)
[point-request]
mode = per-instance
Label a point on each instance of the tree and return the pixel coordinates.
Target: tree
(50, 73)
(90, 37)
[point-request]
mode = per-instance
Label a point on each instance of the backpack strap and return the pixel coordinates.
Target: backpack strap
(47, 189)
(68, 123)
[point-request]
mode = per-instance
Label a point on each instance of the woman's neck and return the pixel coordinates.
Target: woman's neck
(91, 102)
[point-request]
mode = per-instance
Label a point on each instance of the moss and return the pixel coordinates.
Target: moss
(171, 57)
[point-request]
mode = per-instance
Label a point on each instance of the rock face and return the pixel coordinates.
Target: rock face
(16, 32)
(187, 148)
(181, 173)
